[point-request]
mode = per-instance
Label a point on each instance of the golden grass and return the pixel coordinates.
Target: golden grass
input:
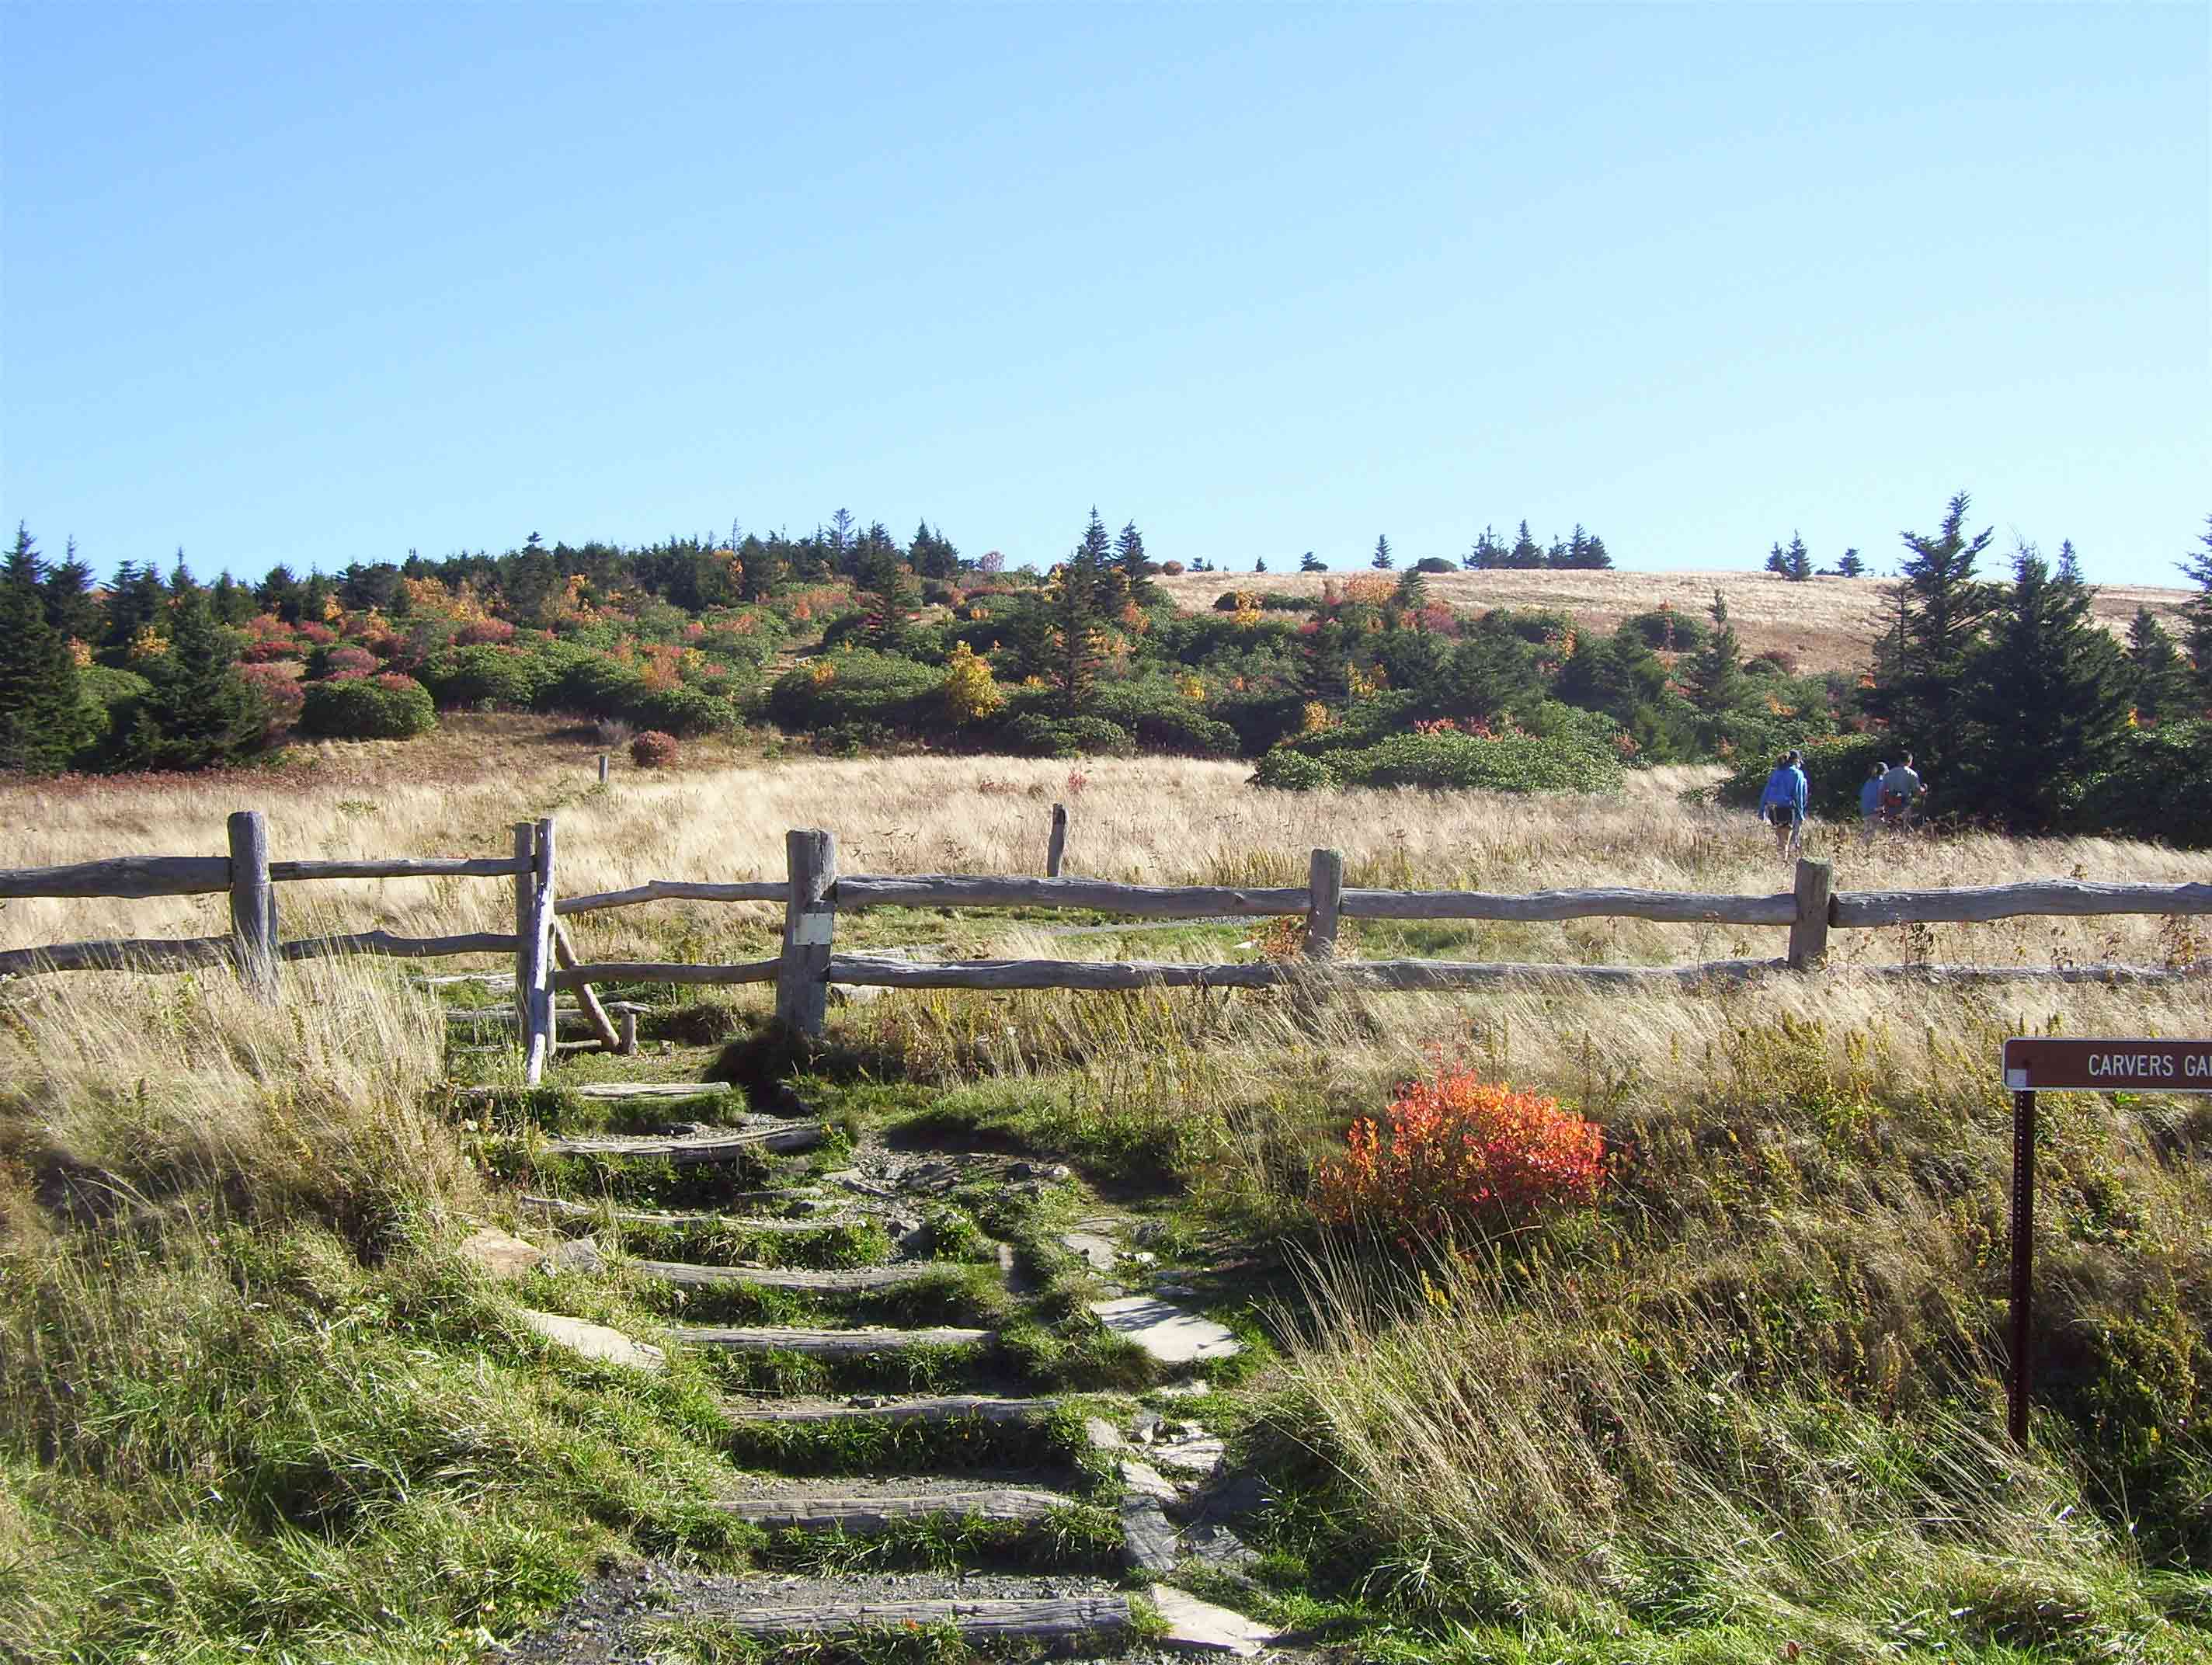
(1826, 624)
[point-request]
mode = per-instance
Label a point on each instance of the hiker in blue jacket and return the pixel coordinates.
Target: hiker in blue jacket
(1782, 803)
(1870, 802)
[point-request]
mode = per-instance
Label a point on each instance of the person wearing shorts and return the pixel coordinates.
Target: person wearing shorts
(1781, 802)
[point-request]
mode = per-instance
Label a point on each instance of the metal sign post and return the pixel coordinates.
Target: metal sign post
(2071, 1066)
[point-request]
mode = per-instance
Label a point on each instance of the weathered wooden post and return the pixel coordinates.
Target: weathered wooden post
(587, 997)
(534, 981)
(1325, 901)
(525, 879)
(1058, 846)
(1809, 932)
(252, 903)
(802, 980)
(603, 769)
(627, 1044)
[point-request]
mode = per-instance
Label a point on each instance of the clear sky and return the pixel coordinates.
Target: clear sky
(317, 283)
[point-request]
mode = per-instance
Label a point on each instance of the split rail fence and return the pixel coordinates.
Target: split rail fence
(813, 893)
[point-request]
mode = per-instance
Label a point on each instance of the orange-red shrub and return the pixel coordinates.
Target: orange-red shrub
(1456, 1154)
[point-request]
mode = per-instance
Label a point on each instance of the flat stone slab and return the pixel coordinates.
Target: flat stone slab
(841, 1279)
(1196, 1627)
(1100, 1252)
(1166, 1332)
(1148, 1541)
(504, 1255)
(1144, 1480)
(1191, 1456)
(593, 1341)
(729, 1146)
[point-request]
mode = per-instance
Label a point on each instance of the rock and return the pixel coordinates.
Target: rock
(1167, 1333)
(504, 1256)
(1170, 1288)
(1196, 1627)
(1231, 1497)
(577, 1254)
(1103, 1435)
(1148, 1541)
(1184, 1390)
(591, 1341)
(1218, 1547)
(1146, 1427)
(1145, 1480)
(1100, 1252)
(1190, 1457)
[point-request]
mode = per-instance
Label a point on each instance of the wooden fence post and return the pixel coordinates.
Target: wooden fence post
(533, 982)
(1058, 847)
(525, 887)
(587, 997)
(252, 903)
(603, 769)
(1809, 932)
(1325, 886)
(802, 977)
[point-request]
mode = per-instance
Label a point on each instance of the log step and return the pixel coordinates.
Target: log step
(866, 1515)
(730, 1145)
(823, 1343)
(841, 1280)
(1061, 1618)
(764, 1225)
(950, 1407)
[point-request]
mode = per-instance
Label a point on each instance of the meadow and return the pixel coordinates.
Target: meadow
(1746, 1407)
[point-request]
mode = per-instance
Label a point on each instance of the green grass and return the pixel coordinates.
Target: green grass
(1052, 1443)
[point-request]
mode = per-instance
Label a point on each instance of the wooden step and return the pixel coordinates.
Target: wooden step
(686, 1150)
(841, 1280)
(763, 1224)
(606, 1090)
(865, 1515)
(1058, 1618)
(823, 1343)
(949, 1407)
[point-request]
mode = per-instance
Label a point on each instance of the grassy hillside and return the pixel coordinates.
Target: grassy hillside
(1747, 1406)
(1823, 624)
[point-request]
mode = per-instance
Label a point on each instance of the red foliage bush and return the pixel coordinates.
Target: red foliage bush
(481, 631)
(652, 748)
(1457, 1153)
(321, 634)
(267, 650)
(342, 662)
(277, 683)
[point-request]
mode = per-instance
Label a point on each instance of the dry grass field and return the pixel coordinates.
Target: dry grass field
(1824, 624)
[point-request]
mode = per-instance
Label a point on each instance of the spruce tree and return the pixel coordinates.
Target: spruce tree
(44, 721)
(2046, 706)
(1850, 565)
(2197, 637)
(1136, 570)
(199, 712)
(1382, 562)
(1077, 614)
(1716, 668)
(70, 606)
(2158, 675)
(1942, 610)
(1310, 562)
(1526, 551)
(26, 567)
(888, 594)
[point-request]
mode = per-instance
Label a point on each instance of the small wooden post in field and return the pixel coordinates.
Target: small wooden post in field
(533, 982)
(627, 1044)
(1058, 846)
(802, 980)
(526, 878)
(252, 903)
(1809, 932)
(603, 769)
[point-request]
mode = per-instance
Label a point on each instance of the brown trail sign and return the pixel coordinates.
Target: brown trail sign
(2036, 1063)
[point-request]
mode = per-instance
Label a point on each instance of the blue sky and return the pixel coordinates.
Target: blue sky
(323, 283)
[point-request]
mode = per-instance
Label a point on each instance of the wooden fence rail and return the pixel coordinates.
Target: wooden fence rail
(813, 893)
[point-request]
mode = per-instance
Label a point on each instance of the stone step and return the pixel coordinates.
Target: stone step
(823, 1343)
(865, 1513)
(1059, 1618)
(948, 1408)
(838, 1281)
(1165, 1330)
(762, 1224)
(686, 1150)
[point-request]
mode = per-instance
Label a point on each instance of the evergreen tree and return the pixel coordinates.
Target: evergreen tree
(2197, 637)
(1412, 592)
(1794, 563)
(230, 601)
(279, 593)
(1261, 565)
(1716, 668)
(1486, 554)
(1942, 610)
(70, 605)
(1382, 562)
(1136, 571)
(1594, 556)
(43, 720)
(1310, 562)
(2158, 675)
(137, 603)
(888, 593)
(1077, 611)
(198, 711)
(2046, 706)
(26, 567)
(318, 594)
(1851, 566)
(1526, 552)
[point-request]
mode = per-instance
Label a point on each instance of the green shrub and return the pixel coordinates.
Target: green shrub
(684, 711)
(1665, 629)
(587, 682)
(2158, 788)
(1835, 770)
(484, 675)
(387, 707)
(1034, 734)
(862, 686)
(1432, 563)
(1294, 771)
(1450, 761)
